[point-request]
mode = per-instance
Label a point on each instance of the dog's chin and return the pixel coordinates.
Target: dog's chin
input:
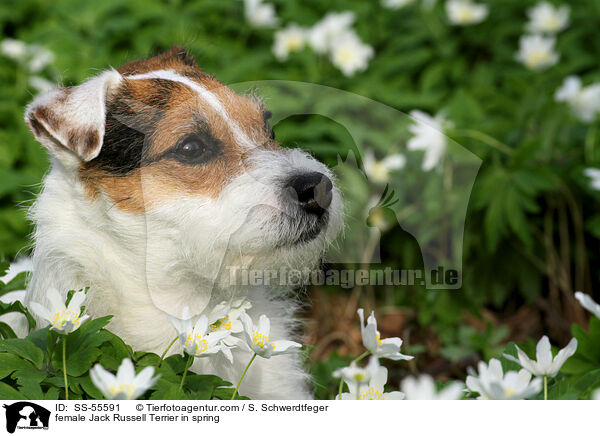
(302, 231)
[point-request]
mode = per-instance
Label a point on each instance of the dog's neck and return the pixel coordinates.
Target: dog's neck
(130, 265)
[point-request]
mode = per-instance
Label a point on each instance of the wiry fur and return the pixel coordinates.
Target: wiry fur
(140, 267)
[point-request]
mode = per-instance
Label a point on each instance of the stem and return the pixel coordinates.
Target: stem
(165, 352)
(242, 377)
(545, 387)
(185, 371)
(358, 359)
(486, 139)
(64, 359)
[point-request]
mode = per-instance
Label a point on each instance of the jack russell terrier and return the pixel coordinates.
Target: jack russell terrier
(162, 179)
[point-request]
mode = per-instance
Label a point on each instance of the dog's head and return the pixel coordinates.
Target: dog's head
(162, 140)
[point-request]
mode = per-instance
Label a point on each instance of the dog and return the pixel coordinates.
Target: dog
(162, 180)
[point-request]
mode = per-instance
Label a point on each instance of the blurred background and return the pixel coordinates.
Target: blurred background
(514, 86)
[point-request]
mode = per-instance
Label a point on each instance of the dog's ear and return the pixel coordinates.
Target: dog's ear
(70, 122)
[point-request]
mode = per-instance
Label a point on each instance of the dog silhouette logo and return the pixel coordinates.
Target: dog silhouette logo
(26, 415)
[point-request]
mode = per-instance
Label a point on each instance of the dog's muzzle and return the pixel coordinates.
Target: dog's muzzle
(309, 196)
(311, 192)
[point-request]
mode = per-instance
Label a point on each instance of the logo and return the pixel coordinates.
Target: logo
(26, 415)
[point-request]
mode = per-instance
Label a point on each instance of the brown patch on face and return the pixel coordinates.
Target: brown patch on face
(149, 119)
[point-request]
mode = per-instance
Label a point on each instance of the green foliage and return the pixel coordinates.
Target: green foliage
(533, 149)
(31, 367)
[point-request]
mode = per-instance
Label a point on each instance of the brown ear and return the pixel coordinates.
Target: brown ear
(70, 122)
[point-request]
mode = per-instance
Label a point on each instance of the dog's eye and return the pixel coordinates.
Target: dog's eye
(195, 149)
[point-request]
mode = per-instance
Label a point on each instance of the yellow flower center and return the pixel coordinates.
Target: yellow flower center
(509, 392)
(221, 324)
(551, 23)
(359, 377)
(293, 43)
(200, 344)
(537, 58)
(261, 340)
(378, 337)
(371, 394)
(127, 389)
(65, 316)
(465, 15)
(379, 172)
(346, 56)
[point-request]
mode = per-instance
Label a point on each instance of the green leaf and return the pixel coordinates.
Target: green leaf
(9, 363)
(51, 394)
(18, 307)
(167, 390)
(25, 349)
(31, 389)
(10, 393)
(6, 331)
(90, 389)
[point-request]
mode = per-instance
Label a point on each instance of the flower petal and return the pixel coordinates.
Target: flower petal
(281, 347)
(76, 301)
(588, 303)
(562, 356)
(201, 325)
(126, 372)
(264, 325)
(544, 353)
(56, 300)
(40, 311)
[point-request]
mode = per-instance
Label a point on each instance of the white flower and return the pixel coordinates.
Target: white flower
(465, 12)
(322, 35)
(226, 316)
(546, 18)
(354, 374)
(14, 49)
(594, 174)
(596, 394)
(63, 319)
(35, 56)
(428, 135)
(260, 14)
(40, 57)
(544, 364)
(423, 388)
(371, 389)
(384, 348)
(195, 339)
(584, 101)
(349, 54)
(396, 4)
(259, 341)
(125, 385)
(492, 384)
(536, 52)
(379, 170)
(586, 301)
(288, 40)
(41, 85)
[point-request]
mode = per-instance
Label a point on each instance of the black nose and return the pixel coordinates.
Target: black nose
(312, 191)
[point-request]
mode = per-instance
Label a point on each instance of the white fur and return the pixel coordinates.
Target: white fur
(141, 267)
